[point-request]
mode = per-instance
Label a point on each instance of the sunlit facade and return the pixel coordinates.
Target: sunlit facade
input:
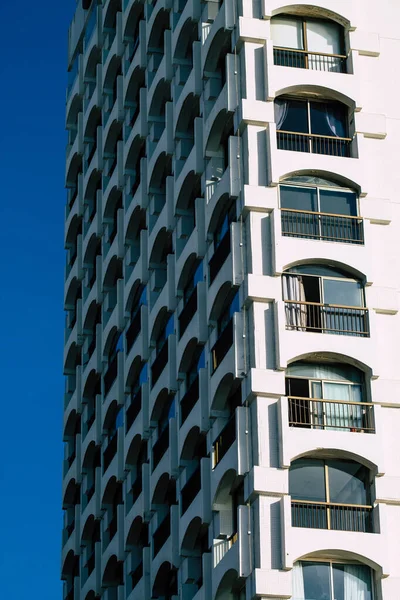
(231, 410)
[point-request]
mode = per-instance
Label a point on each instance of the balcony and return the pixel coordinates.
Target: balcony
(133, 409)
(133, 330)
(331, 415)
(329, 515)
(190, 490)
(189, 399)
(222, 346)
(326, 318)
(160, 447)
(313, 143)
(304, 59)
(111, 374)
(188, 312)
(225, 440)
(110, 451)
(161, 534)
(219, 257)
(159, 363)
(322, 226)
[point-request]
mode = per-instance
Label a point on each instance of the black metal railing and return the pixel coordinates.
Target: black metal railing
(220, 255)
(329, 515)
(327, 318)
(315, 413)
(225, 440)
(316, 144)
(222, 345)
(133, 330)
(111, 374)
(110, 451)
(161, 534)
(159, 363)
(190, 490)
(161, 446)
(136, 575)
(188, 312)
(133, 409)
(189, 399)
(322, 226)
(304, 59)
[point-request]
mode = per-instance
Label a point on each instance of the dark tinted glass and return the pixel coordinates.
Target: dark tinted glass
(328, 118)
(299, 198)
(296, 118)
(338, 203)
(307, 480)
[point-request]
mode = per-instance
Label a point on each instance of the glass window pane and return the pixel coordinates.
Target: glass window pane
(337, 391)
(296, 118)
(287, 32)
(324, 36)
(339, 203)
(317, 581)
(307, 480)
(328, 118)
(345, 293)
(338, 581)
(348, 482)
(299, 198)
(357, 582)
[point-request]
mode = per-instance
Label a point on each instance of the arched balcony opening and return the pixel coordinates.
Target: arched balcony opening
(72, 429)
(90, 74)
(186, 209)
(332, 493)
(93, 250)
(133, 165)
(72, 119)
(338, 579)
(163, 412)
(158, 264)
(113, 274)
(112, 500)
(139, 299)
(164, 327)
(163, 498)
(72, 499)
(110, 26)
(113, 577)
(227, 399)
(226, 305)
(138, 376)
(114, 346)
(89, 397)
(71, 242)
(229, 496)
(73, 360)
(314, 123)
(307, 42)
(69, 571)
(184, 47)
(90, 465)
(194, 449)
(136, 457)
(74, 294)
(132, 99)
(194, 545)
(131, 33)
(215, 67)
(94, 121)
(320, 209)
(220, 229)
(155, 47)
(191, 276)
(113, 423)
(137, 224)
(93, 318)
(323, 298)
(71, 181)
(328, 395)
(90, 546)
(111, 151)
(184, 131)
(93, 187)
(165, 586)
(137, 540)
(114, 204)
(232, 587)
(158, 187)
(217, 150)
(194, 360)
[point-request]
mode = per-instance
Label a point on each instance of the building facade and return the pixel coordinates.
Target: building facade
(231, 417)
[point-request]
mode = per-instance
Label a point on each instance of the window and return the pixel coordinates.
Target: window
(330, 494)
(317, 126)
(329, 580)
(324, 299)
(308, 43)
(315, 208)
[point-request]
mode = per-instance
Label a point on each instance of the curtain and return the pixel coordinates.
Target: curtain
(337, 416)
(324, 37)
(357, 580)
(335, 120)
(298, 582)
(287, 32)
(281, 111)
(296, 314)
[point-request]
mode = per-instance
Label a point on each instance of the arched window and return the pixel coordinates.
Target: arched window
(332, 580)
(319, 126)
(315, 208)
(329, 396)
(324, 299)
(308, 43)
(331, 494)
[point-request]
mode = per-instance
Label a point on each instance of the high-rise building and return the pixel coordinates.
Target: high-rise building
(232, 401)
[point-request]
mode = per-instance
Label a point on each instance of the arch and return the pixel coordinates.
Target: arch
(110, 17)
(307, 10)
(164, 491)
(113, 273)
(74, 110)
(187, 355)
(69, 429)
(332, 176)
(339, 554)
(75, 167)
(346, 269)
(161, 170)
(88, 529)
(135, 532)
(93, 60)
(111, 342)
(93, 185)
(72, 359)
(190, 109)
(110, 490)
(70, 493)
(191, 535)
(310, 92)
(160, 24)
(68, 565)
(112, 575)
(136, 224)
(220, 46)
(221, 129)
(90, 595)
(114, 135)
(190, 444)
(159, 323)
(222, 392)
(219, 212)
(160, 96)
(337, 453)
(91, 384)
(134, 371)
(109, 419)
(94, 120)
(228, 581)
(113, 71)
(133, 19)
(221, 300)
(223, 490)
(184, 44)
(333, 357)
(189, 191)
(92, 452)
(133, 450)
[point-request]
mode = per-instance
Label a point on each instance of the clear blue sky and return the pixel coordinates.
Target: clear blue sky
(33, 49)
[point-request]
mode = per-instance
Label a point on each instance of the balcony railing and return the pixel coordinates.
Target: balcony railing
(190, 490)
(222, 345)
(188, 312)
(327, 318)
(159, 363)
(316, 144)
(220, 255)
(133, 409)
(110, 451)
(133, 330)
(225, 440)
(136, 575)
(189, 399)
(111, 374)
(304, 59)
(221, 547)
(341, 415)
(161, 534)
(329, 515)
(160, 447)
(322, 226)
